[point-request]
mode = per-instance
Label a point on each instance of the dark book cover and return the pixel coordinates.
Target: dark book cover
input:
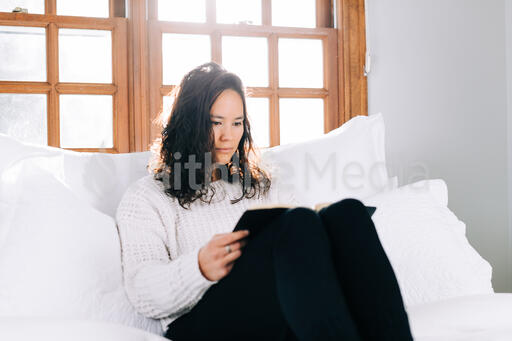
(256, 218)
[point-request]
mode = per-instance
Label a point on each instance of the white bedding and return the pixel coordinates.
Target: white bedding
(425, 241)
(52, 329)
(469, 318)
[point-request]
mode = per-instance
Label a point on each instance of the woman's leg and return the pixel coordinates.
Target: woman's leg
(364, 272)
(285, 280)
(308, 290)
(241, 306)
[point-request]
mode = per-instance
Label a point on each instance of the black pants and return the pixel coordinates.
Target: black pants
(306, 277)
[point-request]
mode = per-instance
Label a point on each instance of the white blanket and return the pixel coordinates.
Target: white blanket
(50, 329)
(470, 318)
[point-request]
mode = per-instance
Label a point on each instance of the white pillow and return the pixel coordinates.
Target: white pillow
(393, 182)
(426, 244)
(59, 257)
(99, 179)
(347, 162)
(436, 188)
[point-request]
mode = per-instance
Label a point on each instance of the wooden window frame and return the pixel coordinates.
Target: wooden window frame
(344, 75)
(328, 36)
(53, 88)
(135, 104)
(351, 26)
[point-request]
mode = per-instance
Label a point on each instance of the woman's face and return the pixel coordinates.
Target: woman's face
(227, 117)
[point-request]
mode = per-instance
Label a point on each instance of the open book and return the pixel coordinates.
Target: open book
(258, 217)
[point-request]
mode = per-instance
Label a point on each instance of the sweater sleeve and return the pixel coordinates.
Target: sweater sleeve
(156, 285)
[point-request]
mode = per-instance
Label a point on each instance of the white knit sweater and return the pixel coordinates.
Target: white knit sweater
(160, 242)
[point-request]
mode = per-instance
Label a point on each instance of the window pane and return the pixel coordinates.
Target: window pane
(89, 8)
(166, 108)
(22, 53)
(238, 12)
(33, 6)
(85, 56)
(300, 63)
(258, 111)
(167, 103)
(86, 121)
(294, 13)
(181, 53)
(24, 117)
(180, 10)
(248, 58)
(300, 119)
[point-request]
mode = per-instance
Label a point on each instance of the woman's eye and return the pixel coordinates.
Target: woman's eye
(238, 124)
(216, 123)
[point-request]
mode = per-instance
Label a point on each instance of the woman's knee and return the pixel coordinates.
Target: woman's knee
(347, 219)
(351, 204)
(301, 218)
(299, 224)
(345, 209)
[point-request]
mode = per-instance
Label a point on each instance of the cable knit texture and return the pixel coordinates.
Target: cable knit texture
(160, 242)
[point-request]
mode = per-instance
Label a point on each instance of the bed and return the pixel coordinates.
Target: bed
(468, 318)
(65, 329)
(60, 259)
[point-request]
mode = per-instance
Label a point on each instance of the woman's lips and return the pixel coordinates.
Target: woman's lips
(223, 150)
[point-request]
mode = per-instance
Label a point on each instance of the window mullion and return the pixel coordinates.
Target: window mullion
(155, 76)
(50, 7)
(324, 13)
(273, 66)
(266, 11)
(139, 80)
(331, 82)
(211, 12)
(274, 120)
(352, 85)
(120, 79)
(52, 61)
(216, 46)
(152, 8)
(117, 8)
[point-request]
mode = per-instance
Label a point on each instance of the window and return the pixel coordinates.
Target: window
(288, 63)
(81, 76)
(63, 77)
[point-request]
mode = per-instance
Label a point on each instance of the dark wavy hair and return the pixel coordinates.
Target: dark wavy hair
(187, 135)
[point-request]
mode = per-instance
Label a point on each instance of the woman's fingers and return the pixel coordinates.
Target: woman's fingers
(236, 241)
(237, 245)
(215, 261)
(230, 257)
(229, 238)
(222, 250)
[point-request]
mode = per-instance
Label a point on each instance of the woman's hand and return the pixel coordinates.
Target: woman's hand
(215, 261)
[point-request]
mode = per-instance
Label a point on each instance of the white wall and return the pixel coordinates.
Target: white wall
(508, 21)
(439, 78)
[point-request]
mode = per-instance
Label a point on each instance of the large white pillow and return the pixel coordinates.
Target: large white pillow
(98, 178)
(59, 257)
(426, 244)
(347, 162)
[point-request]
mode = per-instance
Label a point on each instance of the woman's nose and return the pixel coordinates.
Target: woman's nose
(226, 134)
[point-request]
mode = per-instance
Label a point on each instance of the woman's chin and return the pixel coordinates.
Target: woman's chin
(222, 161)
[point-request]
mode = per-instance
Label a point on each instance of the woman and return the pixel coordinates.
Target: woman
(305, 276)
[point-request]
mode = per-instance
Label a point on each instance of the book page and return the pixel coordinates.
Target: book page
(262, 207)
(318, 207)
